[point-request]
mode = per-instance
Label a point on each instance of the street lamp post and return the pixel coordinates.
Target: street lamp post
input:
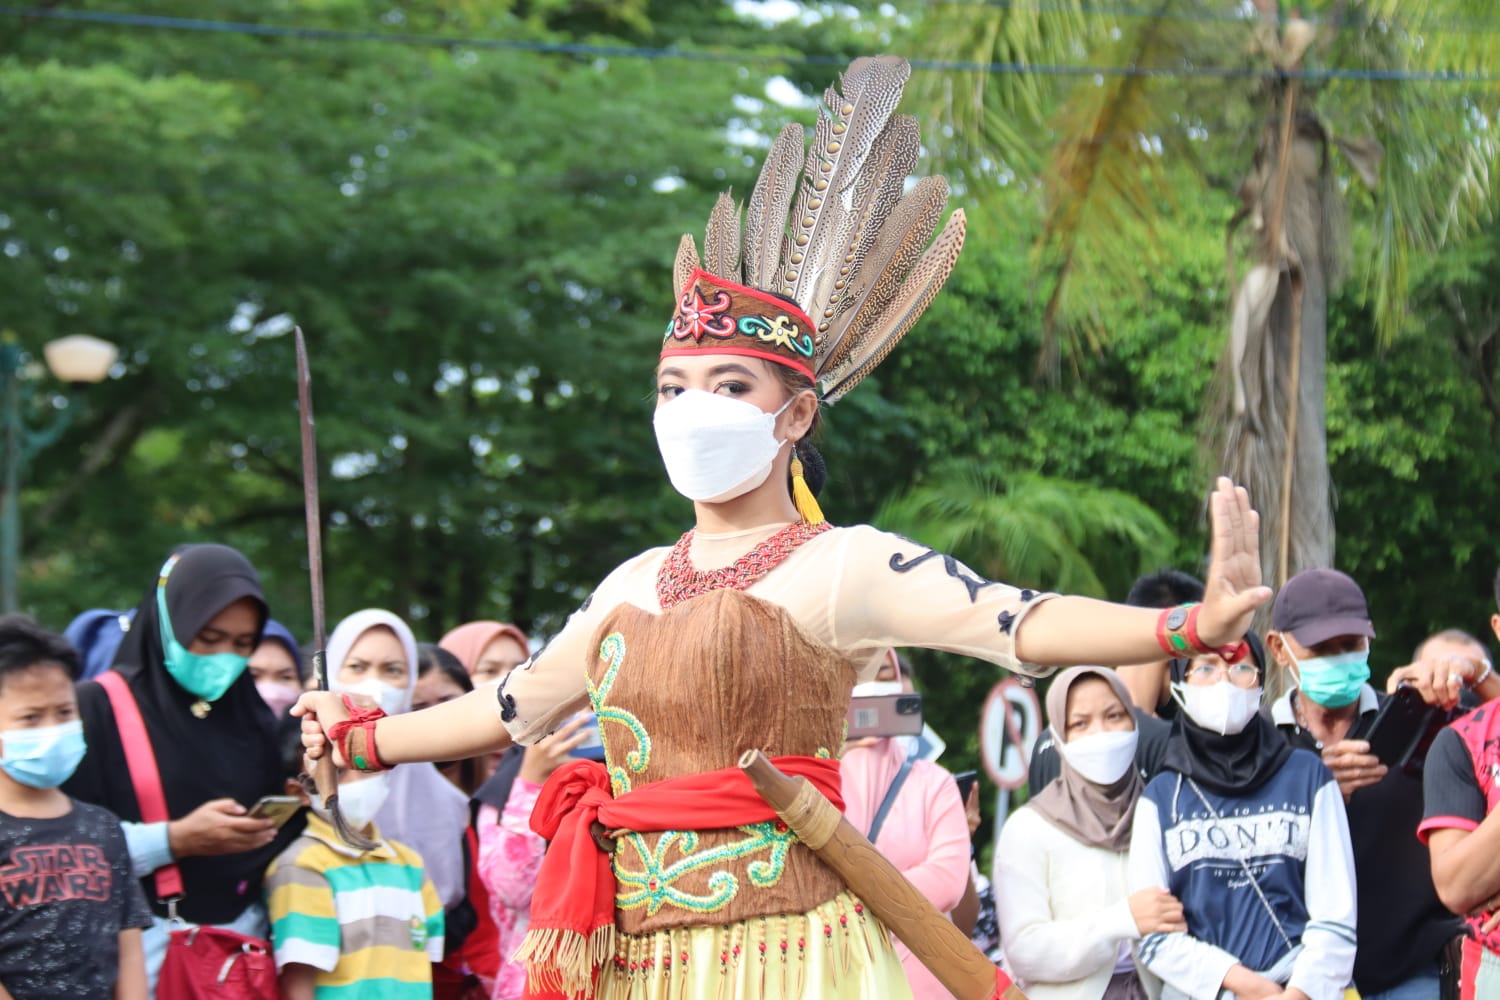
(74, 360)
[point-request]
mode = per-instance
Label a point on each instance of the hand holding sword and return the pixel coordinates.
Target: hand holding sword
(323, 783)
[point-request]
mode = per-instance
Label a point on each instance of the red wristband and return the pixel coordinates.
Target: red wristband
(1169, 631)
(1190, 631)
(360, 720)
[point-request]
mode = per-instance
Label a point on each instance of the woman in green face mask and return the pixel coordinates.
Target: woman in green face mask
(184, 660)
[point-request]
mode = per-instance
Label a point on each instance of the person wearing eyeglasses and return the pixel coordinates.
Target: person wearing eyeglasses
(1250, 834)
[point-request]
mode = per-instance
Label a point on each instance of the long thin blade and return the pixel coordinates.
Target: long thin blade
(324, 780)
(310, 501)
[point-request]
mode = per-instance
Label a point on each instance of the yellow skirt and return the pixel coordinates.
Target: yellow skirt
(838, 951)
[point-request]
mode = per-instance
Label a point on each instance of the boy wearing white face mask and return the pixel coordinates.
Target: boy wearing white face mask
(71, 910)
(1251, 836)
(346, 922)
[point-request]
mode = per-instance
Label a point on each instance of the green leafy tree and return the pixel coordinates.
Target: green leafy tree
(1245, 99)
(475, 238)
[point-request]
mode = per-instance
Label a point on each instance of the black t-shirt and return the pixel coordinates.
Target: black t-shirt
(1402, 923)
(1456, 799)
(66, 892)
(1452, 792)
(1150, 748)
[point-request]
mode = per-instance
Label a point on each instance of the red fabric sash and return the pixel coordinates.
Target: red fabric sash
(573, 906)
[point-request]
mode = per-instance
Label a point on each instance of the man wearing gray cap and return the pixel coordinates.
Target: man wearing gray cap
(1321, 636)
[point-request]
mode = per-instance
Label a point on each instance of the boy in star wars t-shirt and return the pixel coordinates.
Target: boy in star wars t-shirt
(71, 910)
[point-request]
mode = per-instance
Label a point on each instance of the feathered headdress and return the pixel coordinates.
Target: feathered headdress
(834, 269)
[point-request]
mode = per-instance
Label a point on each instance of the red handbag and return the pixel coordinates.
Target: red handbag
(202, 963)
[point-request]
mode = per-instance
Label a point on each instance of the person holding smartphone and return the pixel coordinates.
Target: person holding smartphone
(911, 810)
(1322, 631)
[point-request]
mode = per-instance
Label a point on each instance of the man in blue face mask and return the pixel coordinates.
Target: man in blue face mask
(1321, 637)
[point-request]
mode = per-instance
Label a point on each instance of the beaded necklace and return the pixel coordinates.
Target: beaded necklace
(678, 581)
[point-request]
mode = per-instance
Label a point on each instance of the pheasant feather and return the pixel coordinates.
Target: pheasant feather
(899, 244)
(916, 294)
(866, 206)
(765, 218)
(847, 127)
(685, 265)
(721, 241)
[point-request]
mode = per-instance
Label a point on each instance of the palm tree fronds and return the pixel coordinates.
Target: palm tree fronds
(1031, 530)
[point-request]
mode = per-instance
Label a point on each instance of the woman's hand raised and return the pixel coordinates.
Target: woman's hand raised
(1234, 588)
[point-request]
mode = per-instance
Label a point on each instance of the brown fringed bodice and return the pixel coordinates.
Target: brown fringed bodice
(688, 691)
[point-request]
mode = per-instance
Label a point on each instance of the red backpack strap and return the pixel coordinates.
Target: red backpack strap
(140, 760)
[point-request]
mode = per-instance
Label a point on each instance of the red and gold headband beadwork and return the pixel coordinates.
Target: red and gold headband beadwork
(715, 316)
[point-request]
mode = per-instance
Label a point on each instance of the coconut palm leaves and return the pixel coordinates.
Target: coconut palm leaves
(1033, 531)
(1347, 98)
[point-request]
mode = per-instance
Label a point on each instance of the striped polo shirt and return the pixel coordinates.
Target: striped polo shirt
(370, 922)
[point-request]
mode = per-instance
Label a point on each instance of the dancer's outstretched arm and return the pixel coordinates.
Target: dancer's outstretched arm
(1073, 630)
(455, 730)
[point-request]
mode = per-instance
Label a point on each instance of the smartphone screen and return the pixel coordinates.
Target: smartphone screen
(1401, 726)
(279, 808)
(591, 748)
(885, 715)
(965, 783)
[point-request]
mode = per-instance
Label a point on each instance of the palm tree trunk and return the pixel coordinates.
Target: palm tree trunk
(1274, 412)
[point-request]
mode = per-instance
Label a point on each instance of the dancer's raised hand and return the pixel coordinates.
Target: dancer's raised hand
(1233, 590)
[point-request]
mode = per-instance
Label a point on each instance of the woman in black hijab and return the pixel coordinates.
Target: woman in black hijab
(184, 660)
(1251, 836)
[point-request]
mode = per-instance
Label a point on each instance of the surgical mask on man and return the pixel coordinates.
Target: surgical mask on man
(1224, 707)
(716, 447)
(1332, 681)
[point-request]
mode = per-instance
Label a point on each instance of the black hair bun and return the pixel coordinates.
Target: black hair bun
(814, 469)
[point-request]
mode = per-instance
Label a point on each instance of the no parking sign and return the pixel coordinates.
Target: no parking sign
(1008, 729)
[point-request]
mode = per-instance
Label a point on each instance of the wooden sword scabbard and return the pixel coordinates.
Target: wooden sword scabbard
(931, 936)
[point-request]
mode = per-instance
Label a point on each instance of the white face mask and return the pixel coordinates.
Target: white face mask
(391, 699)
(1102, 758)
(1223, 708)
(359, 801)
(716, 447)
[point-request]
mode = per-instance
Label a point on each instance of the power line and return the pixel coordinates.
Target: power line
(162, 22)
(1467, 24)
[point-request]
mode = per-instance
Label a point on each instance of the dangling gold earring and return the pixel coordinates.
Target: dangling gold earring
(802, 496)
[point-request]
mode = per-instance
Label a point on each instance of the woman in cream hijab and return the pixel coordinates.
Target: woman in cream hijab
(373, 653)
(1066, 923)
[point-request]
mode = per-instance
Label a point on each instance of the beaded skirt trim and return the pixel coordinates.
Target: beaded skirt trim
(837, 951)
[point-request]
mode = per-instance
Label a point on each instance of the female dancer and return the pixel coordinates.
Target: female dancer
(753, 628)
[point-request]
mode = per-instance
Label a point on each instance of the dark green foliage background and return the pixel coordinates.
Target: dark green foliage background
(472, 241)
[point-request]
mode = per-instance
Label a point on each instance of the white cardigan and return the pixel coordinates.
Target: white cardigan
(1063, 910)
